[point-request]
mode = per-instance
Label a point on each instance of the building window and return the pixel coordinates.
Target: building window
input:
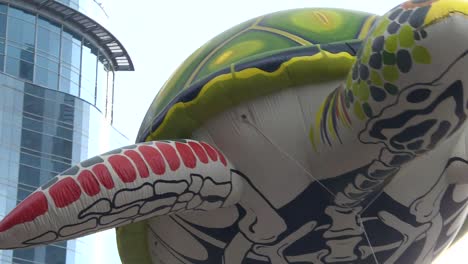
(29, 178)
(22, 31)
(20, 49)
(3, 29)
(101, 84)
(46, 78)
(21, 54)
(88, 73)
(3, 9)
(71, 49)
(21, 14)
(48, 37)
(69, 80)
(71, 63)
(56, 254)
(19, 68)
(2, 54)
(23, 256)
(47, 63)
(46, 72)
(3, 19)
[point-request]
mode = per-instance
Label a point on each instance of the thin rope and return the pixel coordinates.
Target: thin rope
(244, 118)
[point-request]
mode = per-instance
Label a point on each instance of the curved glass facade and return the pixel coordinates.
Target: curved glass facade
(43, 132)
(55, 110)
(38, 50)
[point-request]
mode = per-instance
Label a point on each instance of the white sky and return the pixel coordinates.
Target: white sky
(159, 35)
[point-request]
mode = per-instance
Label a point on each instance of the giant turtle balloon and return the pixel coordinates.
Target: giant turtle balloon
(304, 136)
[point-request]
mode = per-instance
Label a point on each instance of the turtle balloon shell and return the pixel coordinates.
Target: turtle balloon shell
(217, 75)
(256, 58)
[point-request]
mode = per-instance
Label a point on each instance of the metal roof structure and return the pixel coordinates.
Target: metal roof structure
(108, 43)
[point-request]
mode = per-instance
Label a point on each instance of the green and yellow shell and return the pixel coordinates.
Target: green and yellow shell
(278, 51)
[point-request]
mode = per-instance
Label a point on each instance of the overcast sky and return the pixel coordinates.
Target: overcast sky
(159, 35)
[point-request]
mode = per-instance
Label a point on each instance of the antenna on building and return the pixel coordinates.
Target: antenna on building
(100, 4)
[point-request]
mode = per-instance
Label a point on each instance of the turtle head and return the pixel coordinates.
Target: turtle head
(409, 83)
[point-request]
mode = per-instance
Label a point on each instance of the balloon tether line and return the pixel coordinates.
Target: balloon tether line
(244, 118)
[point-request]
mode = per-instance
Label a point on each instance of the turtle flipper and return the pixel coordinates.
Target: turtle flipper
(122, 186)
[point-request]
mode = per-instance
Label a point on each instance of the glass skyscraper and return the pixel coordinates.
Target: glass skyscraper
(57, 68)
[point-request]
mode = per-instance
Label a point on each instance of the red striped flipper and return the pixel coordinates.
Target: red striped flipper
(122, 186)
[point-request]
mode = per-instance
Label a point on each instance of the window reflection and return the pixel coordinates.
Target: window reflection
(46, 72)
(70, 74)
(20, 49)
(101, 85)
(49, 64)
(23, 256)
(21, 14)
(28, 182)
(69, 80)
(71, 49)
(3, 9)
(56, 254)
(22, 54)
(2, 54)
(88, 72)
(48, 37)
(19, 68)
(21, 32)
(45, 23)
(46, 78)
(3, 19)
